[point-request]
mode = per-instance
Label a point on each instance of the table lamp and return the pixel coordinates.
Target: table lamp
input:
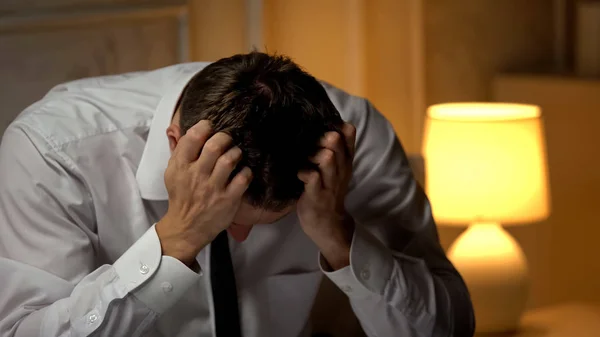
(486, 167)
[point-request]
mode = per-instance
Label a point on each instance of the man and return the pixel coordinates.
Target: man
(119, 194)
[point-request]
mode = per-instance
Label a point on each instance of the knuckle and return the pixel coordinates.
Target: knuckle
(193, 134)
(202, 127)
(246, 177)
(333, 137)
(227, 161)
(212, 147)
(327, 156)
(223, 135)
(244, 180)
(204, 123)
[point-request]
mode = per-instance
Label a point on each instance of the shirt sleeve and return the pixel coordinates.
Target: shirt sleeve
(399, 281)
(52, 281)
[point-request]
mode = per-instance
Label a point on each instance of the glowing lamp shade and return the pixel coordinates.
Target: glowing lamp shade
(486, 166)
(486, 162)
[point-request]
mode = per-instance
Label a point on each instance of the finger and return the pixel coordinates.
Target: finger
(312, 182)
(239, 184)
(333, 141)
(349, 132)
(214, 147)
(326, 159)
(225, 165)
(189, 145)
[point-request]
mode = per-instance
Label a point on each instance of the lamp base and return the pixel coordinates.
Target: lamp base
(495, 271)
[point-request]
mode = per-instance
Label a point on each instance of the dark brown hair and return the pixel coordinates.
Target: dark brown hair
(274, 111)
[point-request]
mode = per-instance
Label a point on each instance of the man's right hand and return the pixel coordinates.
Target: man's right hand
(202, 199)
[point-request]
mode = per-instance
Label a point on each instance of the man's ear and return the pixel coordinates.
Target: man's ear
(174, 134)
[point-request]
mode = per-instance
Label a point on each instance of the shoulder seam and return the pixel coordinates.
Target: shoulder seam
(59, 145)
(50, 144)
(58, 151)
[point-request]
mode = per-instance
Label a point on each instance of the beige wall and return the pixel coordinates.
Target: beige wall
(316, 34)
(364, 47)
(563, 249)
(217, 28)
(469, 41)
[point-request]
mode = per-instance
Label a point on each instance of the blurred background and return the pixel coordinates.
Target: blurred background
(404, 55)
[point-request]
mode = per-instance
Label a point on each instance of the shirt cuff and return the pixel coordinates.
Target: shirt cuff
(156, 280)
(371, 265)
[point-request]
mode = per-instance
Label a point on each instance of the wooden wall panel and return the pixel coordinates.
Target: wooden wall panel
(39, 49)
(61, 5)
(469, 41)
(217, 28)
(369, 48)
(563, 251)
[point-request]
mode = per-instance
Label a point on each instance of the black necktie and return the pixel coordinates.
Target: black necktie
(222, 279)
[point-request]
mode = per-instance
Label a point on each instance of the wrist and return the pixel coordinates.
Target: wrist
(336, 258)
(181, 245)
(335, 248)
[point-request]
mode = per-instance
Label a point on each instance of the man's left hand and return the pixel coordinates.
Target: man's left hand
(320, 209)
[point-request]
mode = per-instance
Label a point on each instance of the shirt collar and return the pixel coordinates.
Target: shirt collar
(151, 170)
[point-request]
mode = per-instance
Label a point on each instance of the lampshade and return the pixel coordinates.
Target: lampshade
(486, 162)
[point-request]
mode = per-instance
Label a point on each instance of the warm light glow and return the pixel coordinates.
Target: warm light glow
(495, 271)
(485, 243)
(486, 162)
(486, 112)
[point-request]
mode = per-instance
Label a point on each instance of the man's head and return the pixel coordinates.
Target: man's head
(274, 111)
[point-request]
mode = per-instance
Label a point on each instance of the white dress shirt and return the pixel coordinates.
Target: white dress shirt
(81, 185)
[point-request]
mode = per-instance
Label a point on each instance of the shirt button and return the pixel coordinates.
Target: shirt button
(365, 274)
(347, 289)
(144, 269)
(167, 287)
(92, 318)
